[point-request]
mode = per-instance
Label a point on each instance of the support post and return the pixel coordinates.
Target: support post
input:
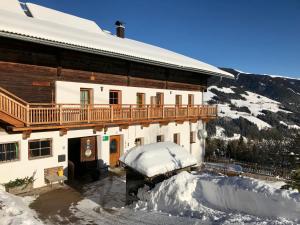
(60, 114)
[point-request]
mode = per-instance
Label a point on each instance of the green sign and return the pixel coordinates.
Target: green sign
(105, 138)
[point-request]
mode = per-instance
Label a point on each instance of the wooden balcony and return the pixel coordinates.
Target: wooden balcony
(24, 116)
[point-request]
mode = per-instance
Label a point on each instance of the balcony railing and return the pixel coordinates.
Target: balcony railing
(64, 114)
(68, 114)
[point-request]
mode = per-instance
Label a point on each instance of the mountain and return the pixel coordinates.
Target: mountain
(257, 108)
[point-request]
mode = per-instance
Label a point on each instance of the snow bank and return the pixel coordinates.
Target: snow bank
(157, 158)
(213, 196)
(14, 210)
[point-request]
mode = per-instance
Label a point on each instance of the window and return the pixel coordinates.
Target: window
(114, 97)
(9, 152)
(176, 138)
(159, 98)
(40, 148)
(140, 99)
(178, 100)
(153, 100)
(193, 137)
(159, 138)
(85, 97)
(139, 141)
(191, 99)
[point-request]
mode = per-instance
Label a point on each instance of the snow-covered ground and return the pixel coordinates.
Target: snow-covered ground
(15, 211)
(222, 200)
(220, 134)
(182, 199)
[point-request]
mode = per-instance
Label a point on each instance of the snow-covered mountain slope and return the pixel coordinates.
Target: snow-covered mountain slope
(252, 103)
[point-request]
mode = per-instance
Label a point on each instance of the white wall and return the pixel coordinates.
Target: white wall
(69, 92)
(26, 167)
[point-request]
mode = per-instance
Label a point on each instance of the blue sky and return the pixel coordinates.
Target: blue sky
(260, 36)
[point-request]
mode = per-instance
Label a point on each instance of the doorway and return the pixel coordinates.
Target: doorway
(82, 157)
(114, 150)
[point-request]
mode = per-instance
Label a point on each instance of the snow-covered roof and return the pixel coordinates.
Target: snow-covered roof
(51, 27)
(157, 158)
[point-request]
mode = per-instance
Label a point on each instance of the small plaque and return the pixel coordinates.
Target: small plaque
(105, 138)
(61, 158)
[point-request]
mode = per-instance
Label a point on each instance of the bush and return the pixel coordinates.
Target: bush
(20, 182)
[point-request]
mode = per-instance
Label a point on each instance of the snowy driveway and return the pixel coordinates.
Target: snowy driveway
(100, 202)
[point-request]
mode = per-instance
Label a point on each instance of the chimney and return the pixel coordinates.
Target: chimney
(120, 29)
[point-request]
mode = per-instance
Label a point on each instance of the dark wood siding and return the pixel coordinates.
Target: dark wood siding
(30, 70)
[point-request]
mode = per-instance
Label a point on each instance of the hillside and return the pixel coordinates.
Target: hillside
(260, 108)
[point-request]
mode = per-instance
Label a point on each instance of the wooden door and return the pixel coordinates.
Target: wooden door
(88, 149)
(114, 150)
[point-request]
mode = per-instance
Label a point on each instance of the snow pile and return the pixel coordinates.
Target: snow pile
(215, 198)
(14, 210)
(157, 158)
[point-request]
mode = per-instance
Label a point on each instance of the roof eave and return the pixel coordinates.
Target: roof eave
(108, 53)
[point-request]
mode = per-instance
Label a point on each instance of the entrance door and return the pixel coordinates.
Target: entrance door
(114, 150)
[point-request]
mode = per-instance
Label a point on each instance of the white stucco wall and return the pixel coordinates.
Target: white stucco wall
(69, 92)
(26, 167)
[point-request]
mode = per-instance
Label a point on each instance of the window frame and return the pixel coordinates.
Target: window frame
(178, 100)
(18, 155)
(143, 99)
(162, 138)
(191, 99)
(119, 97)
(177, 137)
(193, 137)
(142, 141)
(90, 96)
(40, 156)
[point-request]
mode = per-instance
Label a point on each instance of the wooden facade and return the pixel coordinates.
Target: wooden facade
(29, 70)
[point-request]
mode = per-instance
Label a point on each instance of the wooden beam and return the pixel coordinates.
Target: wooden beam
(98, 128)
(179, 121)
(11, 120)
(163, 123)
(26, 134)
(123, 126)
(63, 131)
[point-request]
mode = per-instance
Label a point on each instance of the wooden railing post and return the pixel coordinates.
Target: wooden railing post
(88, 113)
(175, 111)
(148, 112)
(163, 111)
(188, 110)
(131, 113)
(111, 113)
(27, 115)
(60, 114)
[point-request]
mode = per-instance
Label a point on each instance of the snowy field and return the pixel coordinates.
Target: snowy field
(254, 102)
(183, 199)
